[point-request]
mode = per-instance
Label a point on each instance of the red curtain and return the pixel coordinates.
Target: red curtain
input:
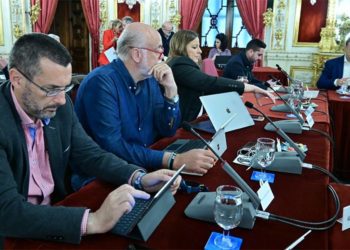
(91, 11)
(48, 9)
(192, 13)
(251, 12)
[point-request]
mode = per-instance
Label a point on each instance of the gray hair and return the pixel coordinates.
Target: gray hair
(30, 48)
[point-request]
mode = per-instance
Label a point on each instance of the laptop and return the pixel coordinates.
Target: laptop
(217, 142)
(221, 61)
(146, 215)
(220, 108)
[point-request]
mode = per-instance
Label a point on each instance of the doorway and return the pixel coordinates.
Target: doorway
(69, 24)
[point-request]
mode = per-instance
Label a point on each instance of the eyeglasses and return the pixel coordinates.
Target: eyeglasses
(154, 51)
(49, 92)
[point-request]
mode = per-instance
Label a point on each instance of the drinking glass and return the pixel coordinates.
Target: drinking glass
(296, 95)
(265, 154)
(228, 211)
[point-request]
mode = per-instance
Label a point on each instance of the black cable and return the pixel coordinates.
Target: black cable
(311, 225)
(325, 171)
(324, 134)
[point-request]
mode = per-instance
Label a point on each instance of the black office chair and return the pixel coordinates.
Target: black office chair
(76, 79)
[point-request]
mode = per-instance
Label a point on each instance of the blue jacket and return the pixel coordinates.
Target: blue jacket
(124, 120)
(239, 65)
(333, 69)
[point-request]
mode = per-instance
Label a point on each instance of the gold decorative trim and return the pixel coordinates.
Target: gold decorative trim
(18, 18)
(279, 25)
(35, 12)
(268, 17)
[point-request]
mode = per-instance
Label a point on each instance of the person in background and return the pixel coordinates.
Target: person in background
(220, 47)
(110, 38)
(336, 72)
(243, 63)
(126, 21)
(184, 56)
(41, 138)
(128, 105)
(166, 32)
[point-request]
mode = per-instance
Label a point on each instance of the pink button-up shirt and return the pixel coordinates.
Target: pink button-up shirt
(41, 184)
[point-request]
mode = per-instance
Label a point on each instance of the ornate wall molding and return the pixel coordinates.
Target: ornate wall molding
(279, 24)
(18, 18)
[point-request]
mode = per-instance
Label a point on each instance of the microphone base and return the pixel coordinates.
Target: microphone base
(282, 90)
(202, 208)
(284, 162)
(286, 97)
(288, 126)
(281, 108)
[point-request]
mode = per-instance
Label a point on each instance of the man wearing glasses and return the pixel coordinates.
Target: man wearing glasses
(40, 137)
(166, 32)
(132, 102)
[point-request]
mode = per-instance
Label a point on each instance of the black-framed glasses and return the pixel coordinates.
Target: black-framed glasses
(152, 50)
(49, 92)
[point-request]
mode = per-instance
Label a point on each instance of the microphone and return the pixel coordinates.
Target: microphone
(287, 162)
(281, 89)
(284, 73)
(288, 126)
(201, 207)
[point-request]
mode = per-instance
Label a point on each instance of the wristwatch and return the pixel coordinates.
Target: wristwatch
(173, 100)
(137, 183)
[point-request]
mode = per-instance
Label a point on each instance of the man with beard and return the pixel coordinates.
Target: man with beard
(130, 103)
(242, 64)
(40, 138)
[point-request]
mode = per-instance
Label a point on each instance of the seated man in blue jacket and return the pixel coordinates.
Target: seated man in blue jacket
(129, 104)
(336, 71)
(243, 63)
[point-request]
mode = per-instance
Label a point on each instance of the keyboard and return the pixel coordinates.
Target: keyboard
(191, 144)
(128, 221)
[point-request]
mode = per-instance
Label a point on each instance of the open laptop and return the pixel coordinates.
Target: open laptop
(217, 142)
(221, 61)
(220, 108)
(146, 215)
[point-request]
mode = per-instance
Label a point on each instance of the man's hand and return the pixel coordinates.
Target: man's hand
(117, 203)
(163, 74)
(255, 89)
(153, 181)
(342, 81)
(197, 160)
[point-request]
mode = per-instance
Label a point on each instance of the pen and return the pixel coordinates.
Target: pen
(291, 246)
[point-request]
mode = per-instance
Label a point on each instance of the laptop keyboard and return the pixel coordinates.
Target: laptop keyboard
(128, 221)
(192, 144)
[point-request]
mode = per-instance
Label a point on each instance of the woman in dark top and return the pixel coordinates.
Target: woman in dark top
(192, 83)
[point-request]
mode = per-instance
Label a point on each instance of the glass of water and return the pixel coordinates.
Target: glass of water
(265, 154)
(228, 212)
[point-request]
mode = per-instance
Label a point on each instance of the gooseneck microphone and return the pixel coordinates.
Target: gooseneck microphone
(288, 126)
(284, 73)
(287, 162)
(281, 89)
(202, 205)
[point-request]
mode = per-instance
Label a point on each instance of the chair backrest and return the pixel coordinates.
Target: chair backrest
(76, 79)
(208, 67)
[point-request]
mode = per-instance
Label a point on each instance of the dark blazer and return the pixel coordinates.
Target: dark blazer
(333, 69)
(239, 65)
(67, 144)
(193, 83)
(165, 41)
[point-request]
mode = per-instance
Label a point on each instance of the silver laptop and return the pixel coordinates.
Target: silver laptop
(220, 108)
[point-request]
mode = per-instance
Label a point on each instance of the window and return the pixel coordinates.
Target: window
(223, 17)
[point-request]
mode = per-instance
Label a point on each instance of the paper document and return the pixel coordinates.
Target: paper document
(110, 54)
(310, 94)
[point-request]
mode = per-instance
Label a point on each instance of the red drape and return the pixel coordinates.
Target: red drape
(192, 13)
(123, 10)
(91, 10)
(48, 9)
(251, 12)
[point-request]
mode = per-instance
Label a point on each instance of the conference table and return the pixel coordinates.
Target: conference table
(303, 197)
(339, 106)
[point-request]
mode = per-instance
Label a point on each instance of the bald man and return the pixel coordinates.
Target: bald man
(166, 32)
(130, 103)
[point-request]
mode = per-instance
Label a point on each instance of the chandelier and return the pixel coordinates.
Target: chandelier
(130, 3)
